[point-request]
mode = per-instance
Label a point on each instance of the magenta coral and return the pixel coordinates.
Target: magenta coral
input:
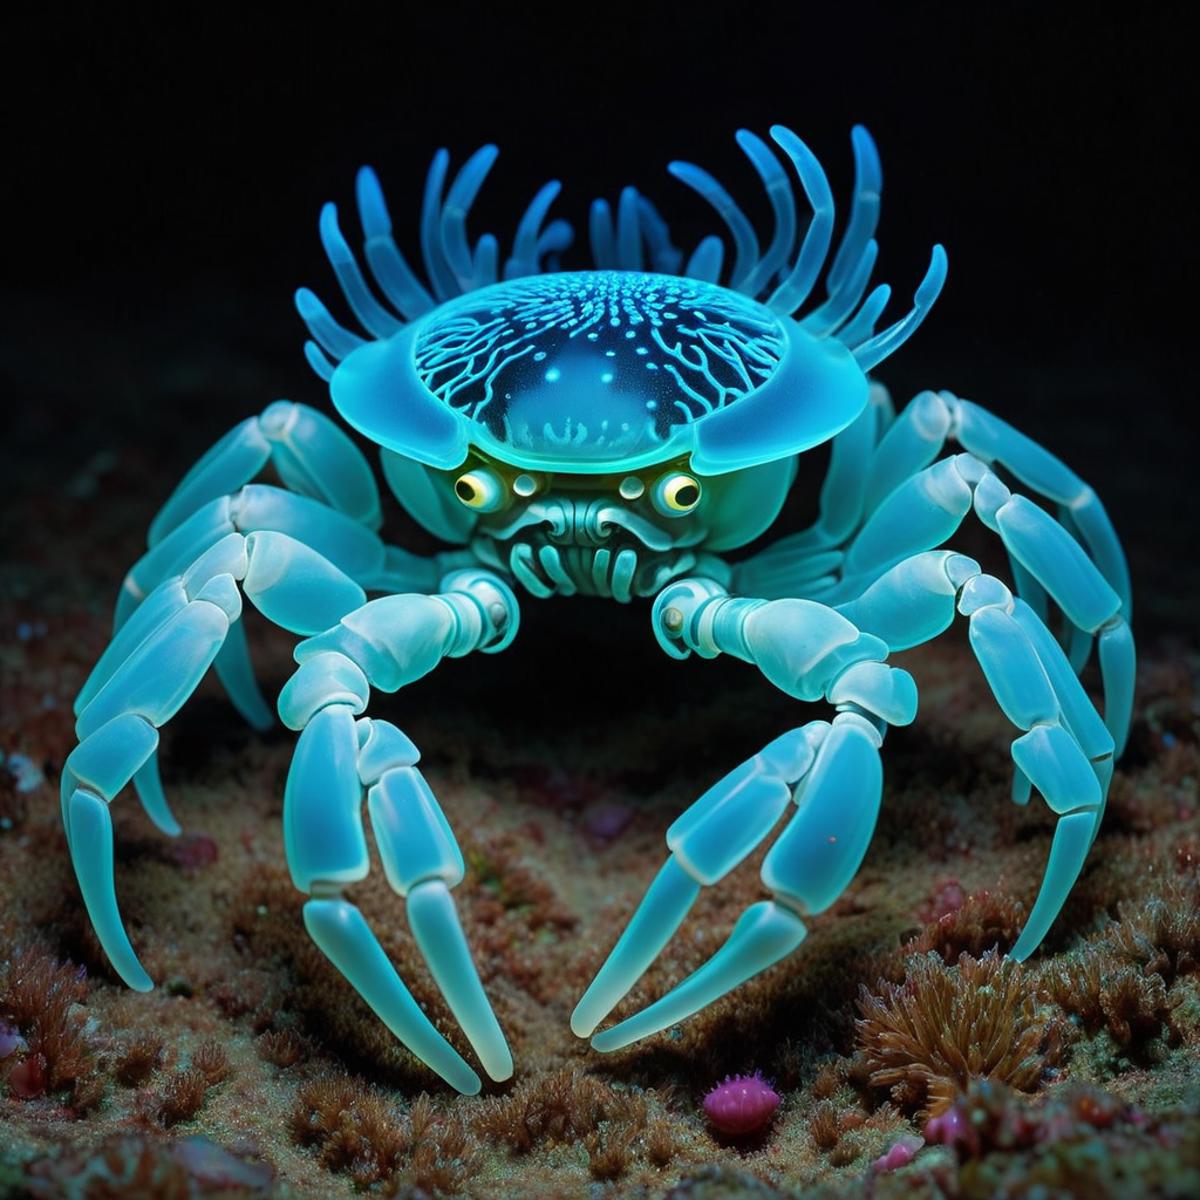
(741, 1104)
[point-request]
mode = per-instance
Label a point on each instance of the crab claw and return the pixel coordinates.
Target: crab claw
(834, 773)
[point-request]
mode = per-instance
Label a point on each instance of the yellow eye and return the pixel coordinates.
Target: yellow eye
(675, 495)
(480, 489)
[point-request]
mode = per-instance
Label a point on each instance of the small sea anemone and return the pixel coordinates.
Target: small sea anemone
(741, 1104)
(927, 1038)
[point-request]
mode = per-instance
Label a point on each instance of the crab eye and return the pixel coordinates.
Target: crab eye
(479, 489)
(676, 495)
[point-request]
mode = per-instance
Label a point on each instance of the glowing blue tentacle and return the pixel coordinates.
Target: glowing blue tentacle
(862, 325)
(552, 241)
(874, 351)
(485, 262)
(794, 288)
(706, 260)
(524, 260)
(395, 277)
(629, 231)
(842, 300)
(373, 317)
(864, 211)
(453, 223)
(665, 257)
(745, 240)
(436, 267)
(600, 231)
(316, 359)
(331, 337)
(783, 207)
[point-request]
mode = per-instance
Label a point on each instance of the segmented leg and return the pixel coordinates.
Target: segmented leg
(927, 508)
(803, 563)
(149, 671)
(169, 644)
(876, 459)
(313, 458)
(386, 644)
(1066, 751)
(831, 770)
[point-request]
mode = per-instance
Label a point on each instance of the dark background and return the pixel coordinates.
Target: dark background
(167, 174)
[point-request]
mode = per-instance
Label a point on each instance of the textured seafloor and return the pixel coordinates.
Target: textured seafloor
(252, 1068)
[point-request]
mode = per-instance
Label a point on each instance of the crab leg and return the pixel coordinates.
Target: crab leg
(352, 547)
(921, 432)
(926, 509)
(706, 843)
(148, 673)
(386, 644)
(326, 849)
(1066, 751)
(313, 457)
(833, 773)
(807, 868)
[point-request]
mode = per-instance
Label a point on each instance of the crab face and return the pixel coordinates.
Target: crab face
(637, 415)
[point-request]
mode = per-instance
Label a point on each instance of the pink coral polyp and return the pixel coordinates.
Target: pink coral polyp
(741, 1104)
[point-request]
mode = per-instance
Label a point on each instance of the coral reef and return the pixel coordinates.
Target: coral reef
(927, 1038)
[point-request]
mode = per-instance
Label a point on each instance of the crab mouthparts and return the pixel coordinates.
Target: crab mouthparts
(561, 546)
(619, 572)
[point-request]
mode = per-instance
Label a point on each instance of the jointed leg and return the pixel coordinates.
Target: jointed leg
(831, 770)
(1066, 751)
(386, 644)
(315, 460)
(925, 510)
(174, 638)
(152, 667)
(933, 419)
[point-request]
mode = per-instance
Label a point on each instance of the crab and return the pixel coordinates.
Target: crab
(618, 431)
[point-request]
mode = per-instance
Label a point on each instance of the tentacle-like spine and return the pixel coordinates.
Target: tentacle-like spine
(783, 275)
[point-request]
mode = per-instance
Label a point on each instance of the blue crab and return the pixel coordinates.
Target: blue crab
(613, 432)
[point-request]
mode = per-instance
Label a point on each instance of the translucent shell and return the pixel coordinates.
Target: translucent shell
(601, 371)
